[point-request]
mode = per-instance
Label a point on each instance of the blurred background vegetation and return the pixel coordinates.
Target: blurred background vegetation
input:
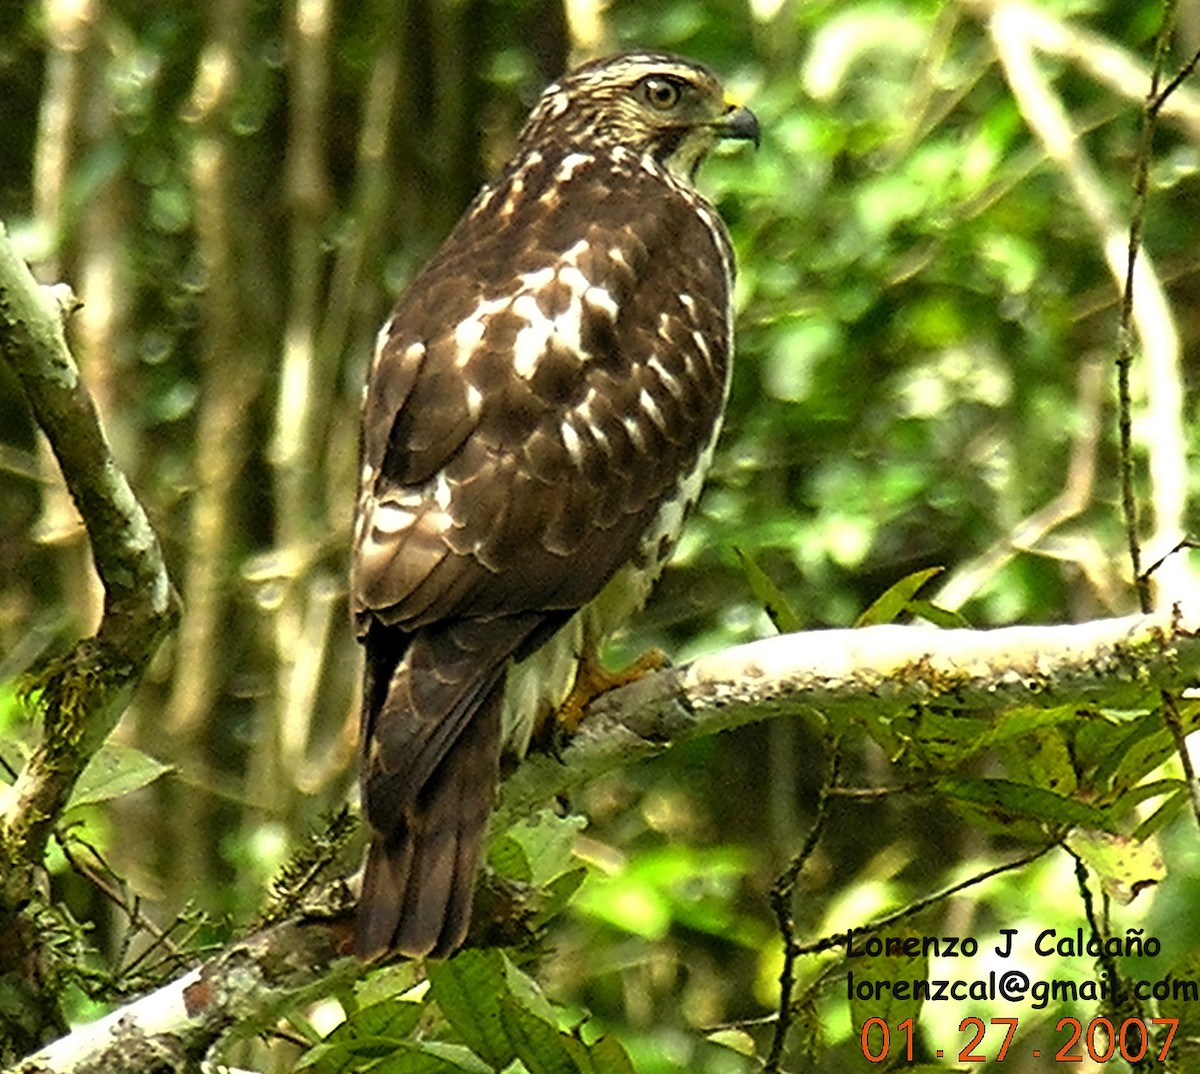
(927, 318)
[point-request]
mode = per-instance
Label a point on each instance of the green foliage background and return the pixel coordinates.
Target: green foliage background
(927, 329)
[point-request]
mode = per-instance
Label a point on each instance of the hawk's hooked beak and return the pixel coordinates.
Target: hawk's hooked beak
(739, 122)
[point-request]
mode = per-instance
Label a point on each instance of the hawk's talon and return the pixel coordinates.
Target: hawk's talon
(592, 679)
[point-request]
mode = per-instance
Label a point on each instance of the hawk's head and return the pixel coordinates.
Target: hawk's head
(649, 102)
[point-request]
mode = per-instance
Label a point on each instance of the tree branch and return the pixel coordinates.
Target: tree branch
(880, 670)
(82, 694)
(86, 692)
(244, 988)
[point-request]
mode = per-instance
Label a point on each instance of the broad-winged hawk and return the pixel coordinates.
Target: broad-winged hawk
(540, 411)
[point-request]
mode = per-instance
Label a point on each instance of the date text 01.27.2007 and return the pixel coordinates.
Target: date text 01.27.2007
(1101, 1039)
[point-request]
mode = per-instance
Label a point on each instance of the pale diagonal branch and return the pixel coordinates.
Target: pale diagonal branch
(84, 694)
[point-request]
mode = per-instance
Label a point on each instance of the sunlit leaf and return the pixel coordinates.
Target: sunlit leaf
(1125, 866)
(893, 601)
(114, 771)
(546, 842)
(372, 1033)
(940, 617)
(1164, 814)
(769, 596)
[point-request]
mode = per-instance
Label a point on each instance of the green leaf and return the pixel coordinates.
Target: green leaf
(559, 892)
(508, 859)
(374, 1032)
(527, 992)
(893, 601)
(940, 617)
(1163, 815)
(114, 771)
(435, 1057)
(608, 1056)
(469, 988)
(1146, 745)
(736, 1040)
(1124, 865)
(538, 1044)
(1007, 800)
(769, 596)
(1042, 759)
(694, 887)
(546, 843)
(387, 982)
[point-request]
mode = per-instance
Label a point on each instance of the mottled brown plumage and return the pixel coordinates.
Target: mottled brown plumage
(540, 410)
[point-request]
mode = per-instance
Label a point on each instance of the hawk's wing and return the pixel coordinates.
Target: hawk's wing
(541, 389)
(539, 398)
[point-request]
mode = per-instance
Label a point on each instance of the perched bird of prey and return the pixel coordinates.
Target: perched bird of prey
(540, 411)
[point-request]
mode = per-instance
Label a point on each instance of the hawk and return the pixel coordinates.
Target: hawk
(539, 414)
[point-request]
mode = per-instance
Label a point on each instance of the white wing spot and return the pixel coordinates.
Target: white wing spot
(574, 279)
(381, 339)
(600, 436)
(442, 493)
(470, 330)
(533, 281)
(530, 342)
(647, 402)
(474, 401)
(413, 498)
(688, 302)
(391, 518)
(702, 345)
(597, 298)
(515, 189)
(529, 346)
(669, 380)
(571, 442)
(634, 428)
(571, 163)
(467, 336)
(571, 256)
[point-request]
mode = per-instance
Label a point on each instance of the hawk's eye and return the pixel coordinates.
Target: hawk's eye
(660, 92)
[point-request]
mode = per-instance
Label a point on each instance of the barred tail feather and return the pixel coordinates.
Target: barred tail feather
(420, 877)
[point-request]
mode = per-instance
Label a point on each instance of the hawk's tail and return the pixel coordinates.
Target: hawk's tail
(432, 733)
(420, 874)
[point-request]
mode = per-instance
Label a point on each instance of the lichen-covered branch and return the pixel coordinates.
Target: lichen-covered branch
(82, 694)
(880, 670)
(245, 986)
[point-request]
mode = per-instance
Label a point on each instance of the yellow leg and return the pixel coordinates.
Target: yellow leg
(592, 679)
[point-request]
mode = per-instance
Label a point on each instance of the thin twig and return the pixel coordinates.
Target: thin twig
(1137, 220)
(1123, 1002)
(1175, 723)
(840, 939)
(781, 905)
(1184, 73)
